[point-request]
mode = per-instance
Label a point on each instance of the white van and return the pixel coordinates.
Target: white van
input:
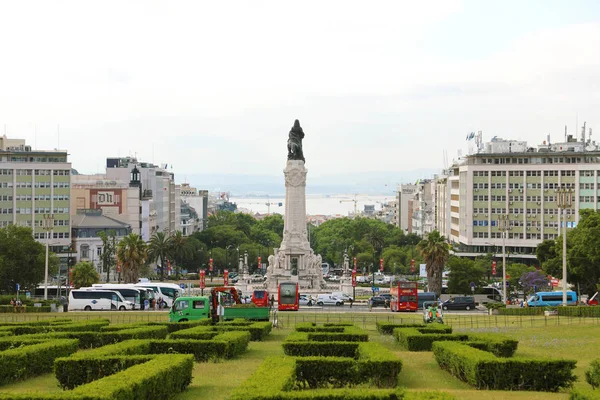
(88, 299)
(167, 291)
(343, 296)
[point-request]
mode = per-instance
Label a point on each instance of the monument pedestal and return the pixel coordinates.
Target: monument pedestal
(294, 260)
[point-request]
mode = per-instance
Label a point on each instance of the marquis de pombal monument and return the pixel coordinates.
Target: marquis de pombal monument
(294, 260)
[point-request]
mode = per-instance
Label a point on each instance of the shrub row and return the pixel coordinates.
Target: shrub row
(584, 394)
(24, 309)
(171, 326)
(413, 340)
(276, 378)
(160, 378)
(592, 375)
(258, 331)
(97, 339)
(580, 311)
(350, 334)
(323, 349)
(82, 326)
(500, 346)
(387, 328)
(312, 327)
(84, 367)
(30, 360)
(521, 311)
(52, 321)
(485, 371)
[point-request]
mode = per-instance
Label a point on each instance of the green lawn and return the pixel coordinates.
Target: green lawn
(538, 337)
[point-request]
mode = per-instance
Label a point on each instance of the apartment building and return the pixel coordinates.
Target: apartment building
(157, 184)
(423, 205)
(506, 177)
(404, 202)
(34, 184)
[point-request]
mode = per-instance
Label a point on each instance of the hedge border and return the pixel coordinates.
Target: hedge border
(275, 378)
(387, 328)
(258, 331)
(484, 370)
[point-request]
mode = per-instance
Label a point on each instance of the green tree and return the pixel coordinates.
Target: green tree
(516, 271)
(109, 249)
(463, 271)
(180, 249)
(22, 259)
(435, 252)
(132, 254)
(159, 249)
(84, 274)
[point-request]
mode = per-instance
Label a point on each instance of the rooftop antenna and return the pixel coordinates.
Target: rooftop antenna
(548, 139)
(565, 133)
(57, 136)
(583, 133)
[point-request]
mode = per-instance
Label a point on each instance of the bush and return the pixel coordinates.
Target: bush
(276, 378)
(25, 309)
(350, 334)
(324, 349)
(312, 327)
(387, 328)
(494, 306)
(579, 311)
(592, 375)
(198, 333)
(237, 342)
(83, 326)
(584, 394)
(31, 360)
(97, 339)
(498, 345)
(521, 311)
(485, 371)
(258, 330)
(413, 340)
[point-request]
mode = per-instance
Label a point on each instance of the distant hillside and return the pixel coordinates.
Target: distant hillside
(260, 185)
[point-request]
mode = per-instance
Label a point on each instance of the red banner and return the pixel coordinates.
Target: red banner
(259, 262)
(225, 278)
(353, 278)
(355, 263)
(412, 266)
(381, 264)
(493, 267)
(210, 265)
(202, 279)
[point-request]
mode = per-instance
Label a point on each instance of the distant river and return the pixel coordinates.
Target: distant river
(315, 204)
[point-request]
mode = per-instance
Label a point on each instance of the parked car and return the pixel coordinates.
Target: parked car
(341, 295)
(378, 301)
(329, 300)
(459, 303)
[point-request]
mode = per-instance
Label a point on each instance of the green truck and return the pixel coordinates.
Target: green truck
(223, 300)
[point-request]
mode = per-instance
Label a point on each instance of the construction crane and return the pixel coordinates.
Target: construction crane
(355, 204)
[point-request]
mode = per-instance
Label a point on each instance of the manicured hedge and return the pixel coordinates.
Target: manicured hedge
(24, 309)
(160, 378)
(97, 339)
(522, 311)
(592, 375)
(31, 360)
(413, 340)
(350, 334)
(276, 377)
(500, 346)
(82, 326)
(485, 371)
(312, 327)
(580, 311)
(324, 349)
(258, 331)
(387, 328)
(584, 394)
(84, 367)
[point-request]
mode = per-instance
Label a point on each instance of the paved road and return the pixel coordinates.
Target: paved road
(364, 308)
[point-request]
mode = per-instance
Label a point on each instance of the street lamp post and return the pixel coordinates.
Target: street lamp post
(47, 226)
(564, 200)
(503, 226)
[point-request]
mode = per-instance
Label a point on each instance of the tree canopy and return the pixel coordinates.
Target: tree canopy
(84, 274)
(583, 253)
(22, 259)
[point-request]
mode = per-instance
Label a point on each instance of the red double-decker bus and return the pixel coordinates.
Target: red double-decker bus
(287, 296)
(407, 298)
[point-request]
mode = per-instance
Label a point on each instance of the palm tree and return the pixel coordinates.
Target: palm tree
(84, 274)
(159, 248)
(434, 250)
(179, 250)
(376, 237)
(132, 254)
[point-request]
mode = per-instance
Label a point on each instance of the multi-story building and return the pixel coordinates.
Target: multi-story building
(509, 178)
(198, 200)
(87, 243)
(155, 183)
(34, 183)
(423, 203)
(116, 199)
(404, 200)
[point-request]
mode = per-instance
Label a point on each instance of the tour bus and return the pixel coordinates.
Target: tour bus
(53, 291)
(167, 291)
(88, 299)
(287, 296)
(130, 292)
(550, 299)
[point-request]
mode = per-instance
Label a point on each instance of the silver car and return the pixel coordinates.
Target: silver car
(329, 300)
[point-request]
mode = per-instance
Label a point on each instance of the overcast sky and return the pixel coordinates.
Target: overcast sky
(215, 86)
